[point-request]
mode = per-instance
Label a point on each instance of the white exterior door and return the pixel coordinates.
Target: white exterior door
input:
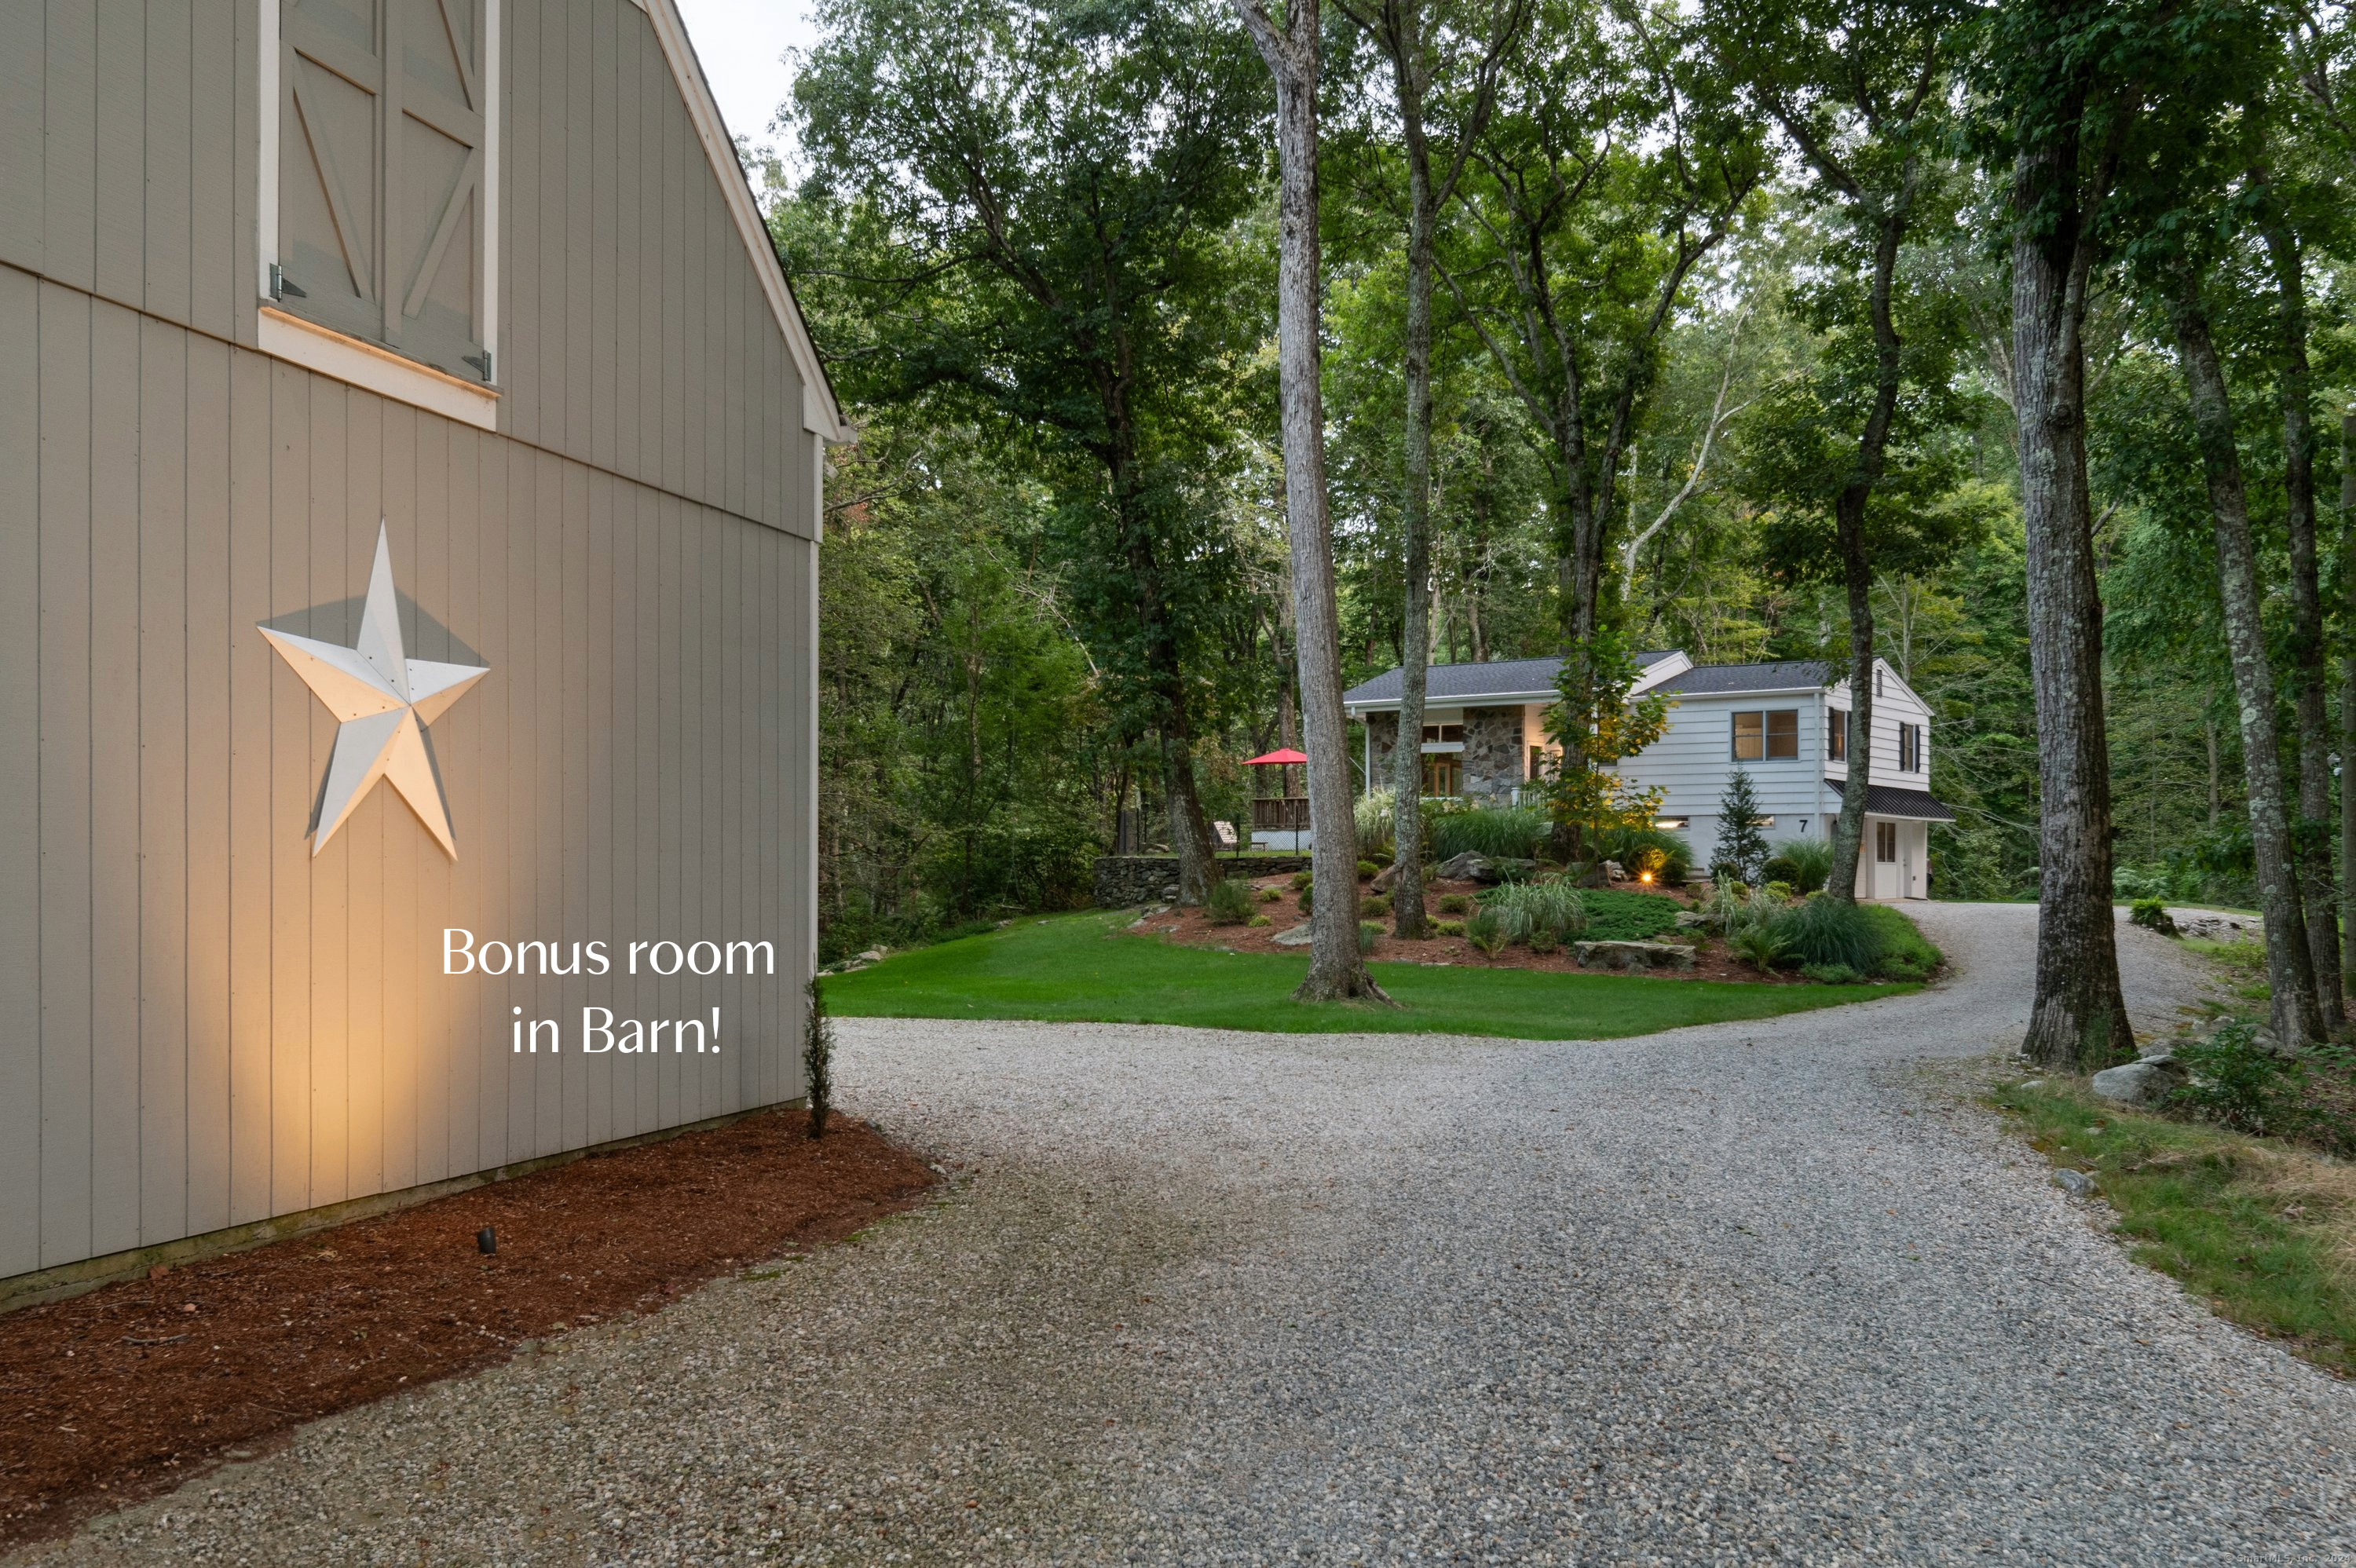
(1886, 867)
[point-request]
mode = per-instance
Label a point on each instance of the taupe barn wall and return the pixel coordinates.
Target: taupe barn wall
(634, 335)
(201, 1024)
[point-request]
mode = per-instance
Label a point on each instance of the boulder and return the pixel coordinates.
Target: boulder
(1296, 937)
(2143, 1082)
(1472, 867)
(1633, 956)
(2210, 926)
(1385, 877)
(1614, 871)
(2076, 1183)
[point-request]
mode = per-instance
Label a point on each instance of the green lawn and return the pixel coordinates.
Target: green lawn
(2264, 1230)
(1081, 967)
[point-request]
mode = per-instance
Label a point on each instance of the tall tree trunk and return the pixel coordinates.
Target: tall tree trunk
(2289, 969)
(1415, 512)
(2312, 838)
(2078, 1019)
(1857, 561)
(2348, 707)
(1335, 969)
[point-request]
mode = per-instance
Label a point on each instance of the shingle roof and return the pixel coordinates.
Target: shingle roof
(1783, 676)
(1457, 683)
(1889, 800)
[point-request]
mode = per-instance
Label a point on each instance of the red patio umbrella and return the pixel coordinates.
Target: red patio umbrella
(1285, 757)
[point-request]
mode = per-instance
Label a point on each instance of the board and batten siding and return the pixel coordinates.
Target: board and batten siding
(202, 1025)
(1897, 705)
(634, 335)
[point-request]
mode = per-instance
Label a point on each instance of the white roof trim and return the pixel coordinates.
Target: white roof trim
(1457, 704)
(821, 415)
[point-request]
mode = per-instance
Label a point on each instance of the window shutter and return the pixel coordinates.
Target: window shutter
(380, 176)
(330, 198)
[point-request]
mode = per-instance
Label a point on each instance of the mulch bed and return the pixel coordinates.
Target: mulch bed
(128, 1391)
(1192, 926)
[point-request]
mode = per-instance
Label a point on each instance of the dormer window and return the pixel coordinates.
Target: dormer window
(1909, 748)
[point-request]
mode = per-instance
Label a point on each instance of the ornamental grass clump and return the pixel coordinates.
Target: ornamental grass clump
(1229, 901)
(1502, 831)
(1826, 932)
(1550, 908)
(1802, 863)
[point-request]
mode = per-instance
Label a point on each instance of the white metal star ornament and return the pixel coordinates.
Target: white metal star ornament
(382, 702)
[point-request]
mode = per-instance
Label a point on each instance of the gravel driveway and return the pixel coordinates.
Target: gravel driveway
(1763, 1292)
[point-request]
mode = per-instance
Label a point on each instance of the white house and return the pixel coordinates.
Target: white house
(1784, 723)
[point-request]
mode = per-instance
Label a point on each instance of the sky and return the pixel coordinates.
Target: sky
(739, 43)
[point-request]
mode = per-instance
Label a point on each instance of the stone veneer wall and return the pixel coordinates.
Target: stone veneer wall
(1493, 756)
(1124, 881)
(1493, 751)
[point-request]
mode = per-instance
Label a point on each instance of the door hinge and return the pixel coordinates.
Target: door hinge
(281, 286)
(479, 362)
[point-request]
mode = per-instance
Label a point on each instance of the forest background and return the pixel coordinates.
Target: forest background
(1035, 243)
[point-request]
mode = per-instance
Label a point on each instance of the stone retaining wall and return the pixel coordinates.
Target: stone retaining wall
(1124, 881)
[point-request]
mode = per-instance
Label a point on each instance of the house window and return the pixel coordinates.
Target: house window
(1670, 823)
(1909, 748)
(379, 223)
(1443, 773)
(1885, 843)
(1537, 762)
(1439, 733)
(1835, 734)
(1767, 737)
(1877, 682)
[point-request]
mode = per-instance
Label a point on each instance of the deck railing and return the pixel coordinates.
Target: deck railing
(1283, 814)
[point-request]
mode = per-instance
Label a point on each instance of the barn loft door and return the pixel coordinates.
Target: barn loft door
(380, 215)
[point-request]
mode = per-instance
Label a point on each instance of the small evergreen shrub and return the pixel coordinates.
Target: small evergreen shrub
(817, 1060)
(1366, 869)
(1269, 895)
(1259, 920)
(1741, 845)
(1374, 905)
(1308, 899)
(1541, 940)
(1369, 933)
(2240, 1083)
(2152, 915)
(1454, 904)
(1616, 916)
(1229, 901)
(1299, 882)
(1779, 888)
(1448, 928)
(1485, 930)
